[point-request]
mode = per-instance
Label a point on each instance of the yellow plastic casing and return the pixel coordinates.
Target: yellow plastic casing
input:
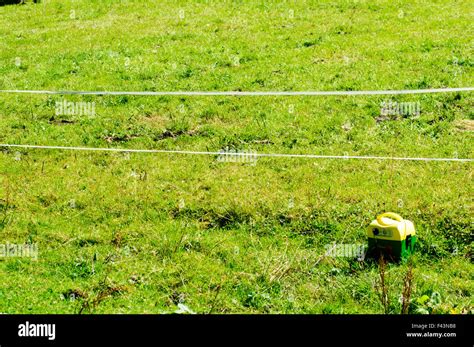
(390, 226)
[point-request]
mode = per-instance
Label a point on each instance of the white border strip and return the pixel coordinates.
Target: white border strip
(273, 155)
(237, 93)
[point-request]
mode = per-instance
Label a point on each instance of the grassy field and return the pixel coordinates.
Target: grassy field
(149, 233)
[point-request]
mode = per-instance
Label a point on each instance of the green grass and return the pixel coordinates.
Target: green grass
(141, 233)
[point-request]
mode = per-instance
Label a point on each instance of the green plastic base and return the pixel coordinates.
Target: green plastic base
(391, 249)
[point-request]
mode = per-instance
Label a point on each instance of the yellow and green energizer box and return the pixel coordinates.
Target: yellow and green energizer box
(392, 236)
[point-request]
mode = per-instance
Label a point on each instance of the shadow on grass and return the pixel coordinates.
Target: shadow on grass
(15, 2)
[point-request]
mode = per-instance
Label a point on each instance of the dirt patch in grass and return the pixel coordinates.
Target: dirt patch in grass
(464, 125)
(175, 133)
